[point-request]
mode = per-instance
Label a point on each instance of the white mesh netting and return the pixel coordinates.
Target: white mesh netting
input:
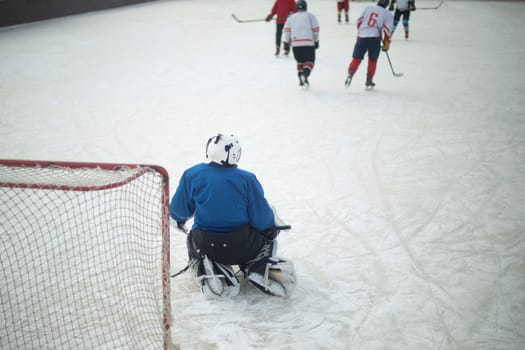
(84, 258)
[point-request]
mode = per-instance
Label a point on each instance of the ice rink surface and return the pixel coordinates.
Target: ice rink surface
(407, 202)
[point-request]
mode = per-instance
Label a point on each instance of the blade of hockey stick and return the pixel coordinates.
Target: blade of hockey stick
(391, 67)
(432, 7)
(247, 20)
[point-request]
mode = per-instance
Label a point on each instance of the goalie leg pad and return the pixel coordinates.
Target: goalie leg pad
(276, 277)
(215, 279)
(230, 281)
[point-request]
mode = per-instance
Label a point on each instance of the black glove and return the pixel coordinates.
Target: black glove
(316, 45)
(391, 7)
(411, 5)
(180, 226)
(270, 234)
(268, 18)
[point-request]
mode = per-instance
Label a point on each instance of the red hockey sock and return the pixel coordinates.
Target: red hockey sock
(371, 71)
(354, 64)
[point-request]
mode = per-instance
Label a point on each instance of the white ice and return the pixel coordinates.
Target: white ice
(407, 202)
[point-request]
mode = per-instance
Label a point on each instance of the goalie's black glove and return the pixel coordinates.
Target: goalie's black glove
(179, 224)
(271, 233)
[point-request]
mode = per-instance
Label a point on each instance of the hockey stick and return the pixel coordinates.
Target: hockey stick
(388, 57)
(432, 7)
(392, 68)
(181, 271)
(247, 20)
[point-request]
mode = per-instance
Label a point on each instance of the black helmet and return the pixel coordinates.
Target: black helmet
(301, 5)
(383, 3)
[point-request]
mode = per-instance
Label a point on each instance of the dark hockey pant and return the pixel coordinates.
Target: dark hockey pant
(305, 58)
(361, 47)
(278, 34)
(234, 248)
(406, 17)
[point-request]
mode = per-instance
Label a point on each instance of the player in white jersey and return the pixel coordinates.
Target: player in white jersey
(301, 32)
(403, 9)
(374, 22)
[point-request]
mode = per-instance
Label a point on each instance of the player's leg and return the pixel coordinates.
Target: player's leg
(212, 257)
(357, 57)
(278, 37)
(299, 58)
(309, 60)
(271, 274)
(406, 18)
(397, 17)
(374, 48)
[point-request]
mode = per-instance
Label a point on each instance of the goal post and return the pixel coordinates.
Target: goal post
(84, 256)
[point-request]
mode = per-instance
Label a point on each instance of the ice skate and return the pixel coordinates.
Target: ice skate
(276, 277)
(286, 49)
(303, 80)
(306, 74)
(348, 80)
(300, 75)
(267, 286)
(306, 82)
(270, 274)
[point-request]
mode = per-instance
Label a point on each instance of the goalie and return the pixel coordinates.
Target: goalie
(233, 224)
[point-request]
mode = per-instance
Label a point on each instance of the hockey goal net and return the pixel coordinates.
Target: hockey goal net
(84, 255)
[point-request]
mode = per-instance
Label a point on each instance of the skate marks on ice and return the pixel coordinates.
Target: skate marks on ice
(447, 237)
(255, 321)
(428, 287)
(428, 229)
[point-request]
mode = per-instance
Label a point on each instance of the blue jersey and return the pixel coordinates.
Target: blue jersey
(221, 199)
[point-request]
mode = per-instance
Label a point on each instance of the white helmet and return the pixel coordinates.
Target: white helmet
(224, 149)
